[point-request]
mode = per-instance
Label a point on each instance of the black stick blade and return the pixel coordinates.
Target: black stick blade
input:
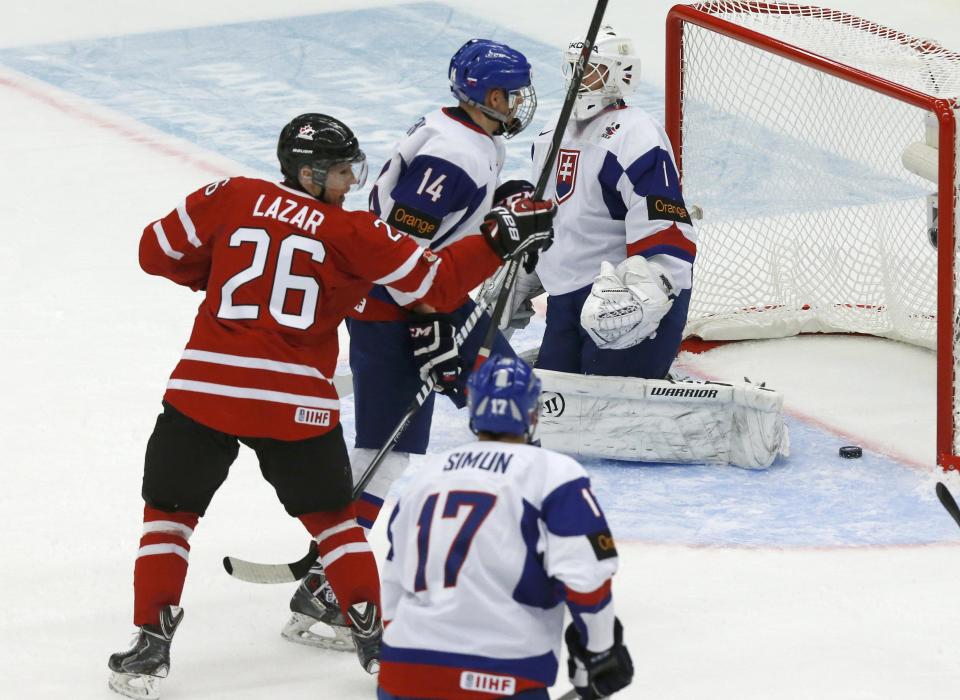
(946, 498)
(253, 572)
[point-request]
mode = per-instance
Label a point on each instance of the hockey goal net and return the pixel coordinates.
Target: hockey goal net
(821, 148)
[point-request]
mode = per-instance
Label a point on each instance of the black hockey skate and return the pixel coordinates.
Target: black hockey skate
(367, 631)
(137, 673)
(314, 603)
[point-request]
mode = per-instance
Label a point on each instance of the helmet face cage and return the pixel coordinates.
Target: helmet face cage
(482, 65)
(320, 142)
(523, 105)
(504, 397)
(322, 176)
(617, 56)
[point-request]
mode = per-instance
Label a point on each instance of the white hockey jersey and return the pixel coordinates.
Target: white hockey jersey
(619, 195)
(486, 544)
(437, 186)
(440, 181)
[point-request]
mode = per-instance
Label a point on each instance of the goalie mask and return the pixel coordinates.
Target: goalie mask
(611, 73)
(320, 142)
(481, 65)
(504, 397)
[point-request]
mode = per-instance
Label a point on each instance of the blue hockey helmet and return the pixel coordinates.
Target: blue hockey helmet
(504, 397)
(481, 65)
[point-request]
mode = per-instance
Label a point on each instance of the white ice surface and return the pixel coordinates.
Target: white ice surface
(88, 340)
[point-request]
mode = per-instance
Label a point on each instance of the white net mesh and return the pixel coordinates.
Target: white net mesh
(826, 231)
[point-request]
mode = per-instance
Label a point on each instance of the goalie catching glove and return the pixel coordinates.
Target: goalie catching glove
(433, 337)
(627, 303)
(520, 227)
(598, 674)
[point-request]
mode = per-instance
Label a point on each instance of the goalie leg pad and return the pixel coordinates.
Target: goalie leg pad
(650, 420)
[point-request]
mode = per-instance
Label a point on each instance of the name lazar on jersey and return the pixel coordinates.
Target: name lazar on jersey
(282, 209)
(496, 462)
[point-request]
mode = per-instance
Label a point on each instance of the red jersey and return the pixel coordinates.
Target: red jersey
(281, 270)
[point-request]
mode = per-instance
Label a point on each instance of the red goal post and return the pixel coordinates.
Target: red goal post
(821, 149)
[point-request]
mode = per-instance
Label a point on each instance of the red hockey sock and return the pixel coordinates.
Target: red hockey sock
(161, 566)
(347, 558)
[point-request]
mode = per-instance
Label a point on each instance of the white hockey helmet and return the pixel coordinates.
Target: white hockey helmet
(611, 74)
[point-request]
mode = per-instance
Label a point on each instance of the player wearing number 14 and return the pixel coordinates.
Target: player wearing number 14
(487, 543)
(280, 265)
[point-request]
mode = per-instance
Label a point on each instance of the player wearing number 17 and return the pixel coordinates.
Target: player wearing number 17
(487, 543)
(280, 264)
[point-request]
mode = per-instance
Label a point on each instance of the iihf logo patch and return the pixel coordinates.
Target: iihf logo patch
(610, 130)
(566, 173)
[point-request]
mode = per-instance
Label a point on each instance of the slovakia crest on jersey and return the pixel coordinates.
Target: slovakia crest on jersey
(566, 173)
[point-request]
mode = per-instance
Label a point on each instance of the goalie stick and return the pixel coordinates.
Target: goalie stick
(946, 498)
(513, 267)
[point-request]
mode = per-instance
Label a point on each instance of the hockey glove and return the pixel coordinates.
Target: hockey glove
(519, 309)
(627, 303)
(598, 674)
(521, 227)
(433, 337)
(511, 191)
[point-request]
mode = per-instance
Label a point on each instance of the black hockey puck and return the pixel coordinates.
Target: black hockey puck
(851, 451)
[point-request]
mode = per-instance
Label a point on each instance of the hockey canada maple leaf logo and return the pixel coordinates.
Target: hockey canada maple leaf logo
(306, 132)
(567, 163)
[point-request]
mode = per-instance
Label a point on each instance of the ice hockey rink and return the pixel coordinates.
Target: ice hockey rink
(820, 578)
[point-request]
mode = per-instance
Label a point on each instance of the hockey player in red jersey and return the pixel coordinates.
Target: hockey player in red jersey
(280, 265)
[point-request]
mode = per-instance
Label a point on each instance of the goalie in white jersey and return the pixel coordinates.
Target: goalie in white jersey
(620, 270)
(487, 543)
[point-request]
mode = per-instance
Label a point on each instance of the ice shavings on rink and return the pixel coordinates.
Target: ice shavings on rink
(226, 88)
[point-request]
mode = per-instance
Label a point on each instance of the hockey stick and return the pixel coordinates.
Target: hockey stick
(513, 267)
(344, 382)
(946, 498)
(271, 573)
(254, 572)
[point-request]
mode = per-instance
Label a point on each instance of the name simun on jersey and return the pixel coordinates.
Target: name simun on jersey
(496, 462)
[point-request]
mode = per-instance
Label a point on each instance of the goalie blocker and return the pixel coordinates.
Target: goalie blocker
(657, 420)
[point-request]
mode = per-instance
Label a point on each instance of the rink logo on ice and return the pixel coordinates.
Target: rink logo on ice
(312, 416)
(488, 683)
(567, 163)
(552, 404)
